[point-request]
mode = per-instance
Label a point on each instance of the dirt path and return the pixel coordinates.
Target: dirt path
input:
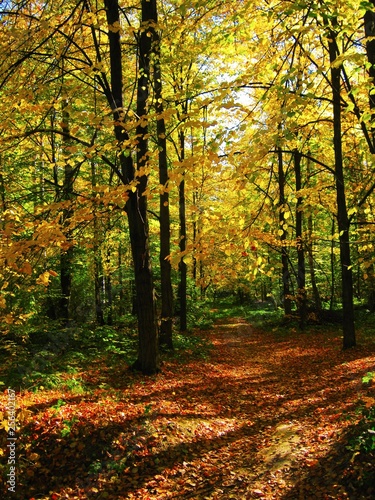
(294, 397)
(264, 417)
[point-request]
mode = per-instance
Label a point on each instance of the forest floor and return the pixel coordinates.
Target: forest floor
(265, 415)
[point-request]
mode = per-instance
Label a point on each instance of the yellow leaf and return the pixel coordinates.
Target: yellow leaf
(9, 319)
(43, 279)
(3, 422)
(24, 416)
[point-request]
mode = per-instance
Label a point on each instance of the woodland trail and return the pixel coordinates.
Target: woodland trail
(265, 417)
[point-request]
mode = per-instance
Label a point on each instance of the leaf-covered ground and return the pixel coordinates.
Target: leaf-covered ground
(265, 416)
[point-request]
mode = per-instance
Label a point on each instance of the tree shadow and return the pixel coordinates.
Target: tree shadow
(340, 474)
(132, 439)
(90, 455)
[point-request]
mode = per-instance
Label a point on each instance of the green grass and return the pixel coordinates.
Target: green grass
(259, 314)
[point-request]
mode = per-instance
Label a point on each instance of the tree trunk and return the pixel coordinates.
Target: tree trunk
(195, 231)
(98, 268)
(182, 289)
(310, 254)
(301, 273)
(165, 231)
(108, 289)
(349, 338)
(121, 306)
(282, 221)
(136, 206)
(2, 197)
(332, 265)
(369, 23)
(66, 256)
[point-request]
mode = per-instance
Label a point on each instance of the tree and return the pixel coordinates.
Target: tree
(301, 272)
(164, 217)
(283, 235)
(349, 338)
(167, 115)
(136, 179)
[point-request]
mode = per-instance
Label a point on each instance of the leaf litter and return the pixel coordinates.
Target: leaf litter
(266, 416)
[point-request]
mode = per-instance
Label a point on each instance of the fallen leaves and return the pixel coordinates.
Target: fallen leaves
(264, 418)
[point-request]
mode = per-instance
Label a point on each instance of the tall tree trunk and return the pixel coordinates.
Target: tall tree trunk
(66, 256)
(301, 273)
(136, 206)
(2, 197)
(182, 289)
(165, 247)
(195, 237)
(98, 280)
(369, 23)
(108, 288)
(310, 255)
(98, 268)
(121, 307)
(332, 265)
(282, 221)
(349, 338)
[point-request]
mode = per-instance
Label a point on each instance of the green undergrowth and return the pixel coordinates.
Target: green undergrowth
(52, 356)
(257, 313)
(361, 443)
(190, 345)
(46, 354)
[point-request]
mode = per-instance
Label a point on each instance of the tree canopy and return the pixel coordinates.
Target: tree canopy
(155, 152)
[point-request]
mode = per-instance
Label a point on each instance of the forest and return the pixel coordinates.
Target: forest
(187, 235)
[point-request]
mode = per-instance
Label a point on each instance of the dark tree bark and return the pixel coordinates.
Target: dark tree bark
(108, 290)
(332, 265)
(301, 273)
(136, 206)
(195, 228)
(369, 22)
(67, 255)
(282, 221)
(310, 256)
(98, 267)
(182, 289)
(349, 337)
(2, 197)
(165, 248)
(121, 306)
(98, 285)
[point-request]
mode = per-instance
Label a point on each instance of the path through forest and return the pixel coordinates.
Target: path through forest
(265, 416)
